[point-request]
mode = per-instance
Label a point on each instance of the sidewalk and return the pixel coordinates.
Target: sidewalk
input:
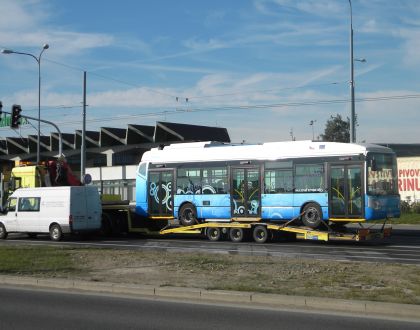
(248, 299)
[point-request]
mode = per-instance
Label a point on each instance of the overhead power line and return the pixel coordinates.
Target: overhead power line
(243, 107)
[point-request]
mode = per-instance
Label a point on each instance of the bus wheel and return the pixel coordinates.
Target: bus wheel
(260, 234)
(3, 232)
(55, 233)
(187, 215)
(312, 216)
(236, 234)
(214, 234)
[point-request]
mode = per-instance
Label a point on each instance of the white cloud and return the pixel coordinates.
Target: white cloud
(314, 7)
(25, 24)
(411, 46)
(207, 45)
(20, 15)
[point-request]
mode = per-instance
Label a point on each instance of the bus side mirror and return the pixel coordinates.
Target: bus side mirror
(373, 165)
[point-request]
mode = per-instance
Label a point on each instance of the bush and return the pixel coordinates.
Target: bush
(405, 207)
(415, 207)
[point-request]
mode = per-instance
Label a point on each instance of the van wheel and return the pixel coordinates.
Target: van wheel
(56, 233)
(3, 232)
(312, 216)
(188, 215)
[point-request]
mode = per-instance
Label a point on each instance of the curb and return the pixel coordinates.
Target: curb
(250, 299)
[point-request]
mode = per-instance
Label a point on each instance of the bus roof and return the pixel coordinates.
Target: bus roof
(216, 151)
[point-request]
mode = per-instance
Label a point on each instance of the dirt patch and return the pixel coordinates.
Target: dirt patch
(292, 276)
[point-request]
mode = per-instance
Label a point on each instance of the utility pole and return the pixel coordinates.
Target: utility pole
(83, 147)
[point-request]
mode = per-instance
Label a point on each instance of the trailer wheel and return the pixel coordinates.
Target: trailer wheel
(3, 232)
(236, 235)
(214, 234)
(106, 226)
(312, 216)
(260, 234)
(187, 215)
(56, 234)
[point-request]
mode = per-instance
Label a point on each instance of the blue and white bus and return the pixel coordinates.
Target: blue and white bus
(270, 182)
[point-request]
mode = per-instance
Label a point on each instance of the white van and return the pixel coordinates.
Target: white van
(53, 210)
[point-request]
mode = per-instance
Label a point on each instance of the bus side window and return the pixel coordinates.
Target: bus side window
(278, 181)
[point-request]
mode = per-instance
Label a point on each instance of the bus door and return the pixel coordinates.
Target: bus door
(245, 192)
(160, 193)
(346, 191)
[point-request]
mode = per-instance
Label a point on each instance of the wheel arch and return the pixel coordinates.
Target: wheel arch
(52, 224)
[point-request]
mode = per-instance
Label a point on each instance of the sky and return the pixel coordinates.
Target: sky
(263, 69)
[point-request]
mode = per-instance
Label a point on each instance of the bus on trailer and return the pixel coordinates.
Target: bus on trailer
(269, 183)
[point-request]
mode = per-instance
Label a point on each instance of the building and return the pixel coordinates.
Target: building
(112, 154)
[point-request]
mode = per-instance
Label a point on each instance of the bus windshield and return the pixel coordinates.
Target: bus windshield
(382, 174)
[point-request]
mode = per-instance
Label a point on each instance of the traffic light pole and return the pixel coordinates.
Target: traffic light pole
(60, 139)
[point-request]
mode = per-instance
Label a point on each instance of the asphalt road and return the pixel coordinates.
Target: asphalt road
(403, 246)
(36, 309)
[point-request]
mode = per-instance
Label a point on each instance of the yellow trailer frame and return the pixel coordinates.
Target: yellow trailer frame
(304, 233)
(268, 229)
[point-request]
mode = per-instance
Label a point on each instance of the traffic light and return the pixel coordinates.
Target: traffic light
(1, 108)
(16, 110)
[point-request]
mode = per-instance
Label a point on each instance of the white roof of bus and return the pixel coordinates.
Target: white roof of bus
(216, 151)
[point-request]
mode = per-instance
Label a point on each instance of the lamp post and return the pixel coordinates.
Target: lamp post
(311, 123)
(38, 60)
(352, 111)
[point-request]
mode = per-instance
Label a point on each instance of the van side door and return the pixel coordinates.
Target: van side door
(28, 214)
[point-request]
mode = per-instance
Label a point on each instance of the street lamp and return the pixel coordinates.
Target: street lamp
(353, 114)
(38, 60)
(311, 123)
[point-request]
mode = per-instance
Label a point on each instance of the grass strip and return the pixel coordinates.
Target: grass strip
(282, 275)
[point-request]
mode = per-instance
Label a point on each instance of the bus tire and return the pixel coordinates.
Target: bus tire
(260, 234)
(214, 234)
(3, 232)
(187, 215)
(236, 235)
(56, 234)
(312, 216)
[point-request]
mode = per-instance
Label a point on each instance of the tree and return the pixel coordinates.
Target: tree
(337, 130)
